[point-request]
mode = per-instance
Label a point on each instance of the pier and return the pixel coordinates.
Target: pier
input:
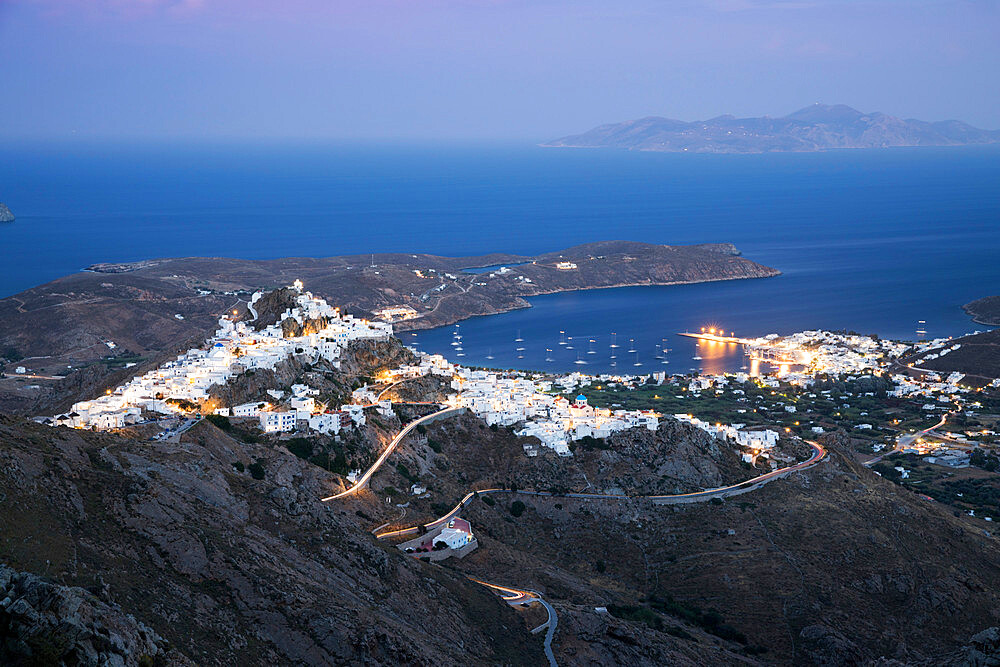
(754, 349)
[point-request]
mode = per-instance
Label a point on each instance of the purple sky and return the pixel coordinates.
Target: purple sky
(486, 69)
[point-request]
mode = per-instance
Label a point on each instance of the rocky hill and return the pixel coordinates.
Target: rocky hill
(227, 568)
(5, 214)
(978, 357)
(814, 128)
(832, 566)
(87, 327)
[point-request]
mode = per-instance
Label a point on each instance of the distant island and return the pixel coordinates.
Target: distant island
(815, 128)
(5, 214)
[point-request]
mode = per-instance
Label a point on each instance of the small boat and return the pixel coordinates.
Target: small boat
(548, 354)
(696, 358)
(458, 349)
(460, 354)
(518, 339)
(562, 337)
(614, 339)
(631, 345)
(489, 353)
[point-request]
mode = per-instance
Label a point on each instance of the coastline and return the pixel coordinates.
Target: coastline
(400, 326)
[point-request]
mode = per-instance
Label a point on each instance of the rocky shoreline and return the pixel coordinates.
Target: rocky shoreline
(984, 311)
(5, 214)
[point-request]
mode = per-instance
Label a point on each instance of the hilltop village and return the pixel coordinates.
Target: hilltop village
(181, 386)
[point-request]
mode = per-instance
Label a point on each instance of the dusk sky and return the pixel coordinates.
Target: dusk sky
(478, 69)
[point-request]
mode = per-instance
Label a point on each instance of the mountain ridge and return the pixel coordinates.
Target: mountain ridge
(817, 127)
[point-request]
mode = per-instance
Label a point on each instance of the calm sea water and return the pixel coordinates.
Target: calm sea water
(868, 240)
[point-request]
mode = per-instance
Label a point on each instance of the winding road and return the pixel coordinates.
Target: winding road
(516, 597)
(363, 480)
(819, 452)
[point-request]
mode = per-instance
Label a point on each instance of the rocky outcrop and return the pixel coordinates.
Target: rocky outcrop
(45, 623)
(5, 214)
(983, 651)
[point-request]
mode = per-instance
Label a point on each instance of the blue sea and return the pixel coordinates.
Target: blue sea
(872, 241)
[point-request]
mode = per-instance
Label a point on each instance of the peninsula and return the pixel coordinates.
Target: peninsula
(985, 310)
(818, 127)
(88, 326)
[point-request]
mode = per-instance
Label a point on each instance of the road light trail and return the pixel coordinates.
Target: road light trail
(819, 452)
(363, 480)
(904, 441)
(515, 597)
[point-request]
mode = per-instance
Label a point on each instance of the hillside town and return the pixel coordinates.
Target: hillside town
(507, 400)
(182, 385)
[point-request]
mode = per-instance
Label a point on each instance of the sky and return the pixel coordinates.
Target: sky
(390, 70)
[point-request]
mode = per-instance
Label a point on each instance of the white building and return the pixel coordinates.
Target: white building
(456, 534)
(326, 422)
(276, 421)
(251, 409)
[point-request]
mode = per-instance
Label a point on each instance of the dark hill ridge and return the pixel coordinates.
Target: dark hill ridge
(231, 570)
(153, 308)
(815, 128)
